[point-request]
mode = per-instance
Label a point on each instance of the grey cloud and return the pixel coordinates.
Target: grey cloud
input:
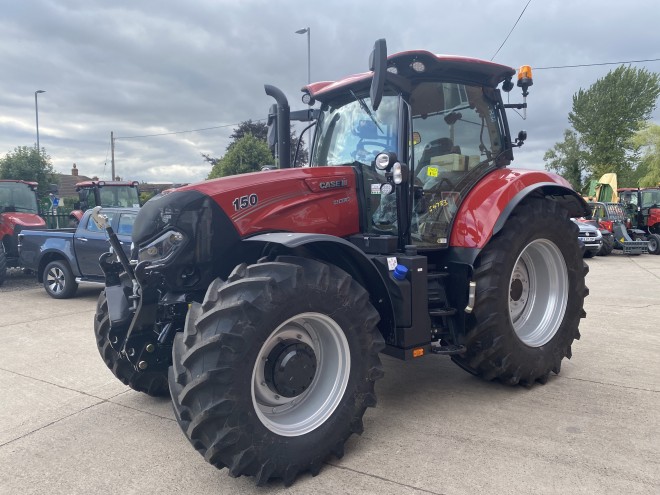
(153, 67)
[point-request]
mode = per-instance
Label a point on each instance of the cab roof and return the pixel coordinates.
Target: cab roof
(445, 68)
(105, 183)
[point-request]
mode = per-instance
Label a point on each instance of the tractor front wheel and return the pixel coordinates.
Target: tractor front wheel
(276, 367)
(530, 296)
(153, 383)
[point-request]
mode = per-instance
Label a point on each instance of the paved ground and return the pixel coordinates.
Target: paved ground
(67, 426)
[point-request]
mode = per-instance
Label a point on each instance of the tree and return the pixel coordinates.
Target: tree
(648, 139)
(567, 158)
(27, 163)
(260, 130)
(248, 154)
(607, 115)
(257, 129)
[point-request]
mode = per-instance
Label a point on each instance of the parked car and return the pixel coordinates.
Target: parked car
(590, 236)
(62, 258)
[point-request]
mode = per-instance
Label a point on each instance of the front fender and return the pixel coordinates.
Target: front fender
(346, 256)
(488, 205)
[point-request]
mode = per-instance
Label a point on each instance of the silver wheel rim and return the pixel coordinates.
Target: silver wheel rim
(295, 416)
(55, 280)
(538, 292)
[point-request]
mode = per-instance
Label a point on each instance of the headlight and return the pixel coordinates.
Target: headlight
(162, 248)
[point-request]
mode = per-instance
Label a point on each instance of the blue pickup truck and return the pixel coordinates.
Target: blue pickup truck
(62, 258)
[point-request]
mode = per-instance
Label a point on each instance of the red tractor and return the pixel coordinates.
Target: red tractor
(19, 209)
(261, 302)
(93, 193)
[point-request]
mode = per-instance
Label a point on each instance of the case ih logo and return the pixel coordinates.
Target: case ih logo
(332, 184)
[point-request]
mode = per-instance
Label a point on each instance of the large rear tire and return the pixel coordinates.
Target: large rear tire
(530, 296)
(276, 368)
(153, 383)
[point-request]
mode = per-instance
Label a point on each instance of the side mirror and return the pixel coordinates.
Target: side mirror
(520, 140)
(378, 64)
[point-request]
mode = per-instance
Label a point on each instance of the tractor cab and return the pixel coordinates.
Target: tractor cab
(437, 127)
(19, 209)
(119, 194)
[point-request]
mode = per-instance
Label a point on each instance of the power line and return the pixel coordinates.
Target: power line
(514, 27)
(182, 132)
(601, 63)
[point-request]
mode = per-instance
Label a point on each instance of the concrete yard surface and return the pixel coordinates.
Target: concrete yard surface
(68, 426)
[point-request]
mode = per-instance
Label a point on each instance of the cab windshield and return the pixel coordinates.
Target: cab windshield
(120, 196)
(350, 131)
(16, 196)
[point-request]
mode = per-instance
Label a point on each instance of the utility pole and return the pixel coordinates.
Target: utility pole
(36, 112)
(112, 152)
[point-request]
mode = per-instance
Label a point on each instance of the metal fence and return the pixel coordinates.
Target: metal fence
(56, 221)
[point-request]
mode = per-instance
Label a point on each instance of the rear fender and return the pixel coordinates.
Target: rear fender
(488, 205)
(343, 254)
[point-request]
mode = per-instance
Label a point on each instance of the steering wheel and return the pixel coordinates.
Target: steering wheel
(367, 156)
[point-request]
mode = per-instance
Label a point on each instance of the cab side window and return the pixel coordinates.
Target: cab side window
(126, 221)
(91, 226)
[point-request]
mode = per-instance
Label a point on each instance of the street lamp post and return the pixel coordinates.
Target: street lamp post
(309, 58)
(36, 112)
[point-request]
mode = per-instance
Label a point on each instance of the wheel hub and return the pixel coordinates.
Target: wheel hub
(290, 368)
(538, 292)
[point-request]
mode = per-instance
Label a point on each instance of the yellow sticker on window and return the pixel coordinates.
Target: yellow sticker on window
(432, 171)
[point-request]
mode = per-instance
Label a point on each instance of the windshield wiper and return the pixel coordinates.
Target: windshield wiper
(365, 107)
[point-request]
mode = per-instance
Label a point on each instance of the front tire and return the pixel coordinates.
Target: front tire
(276, 368)
(530, 297)
(3, 263)
(59, 281)
(654, 243)
(152, 383)
(608, 245)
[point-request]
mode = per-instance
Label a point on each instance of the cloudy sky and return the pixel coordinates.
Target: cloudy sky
(144, 67)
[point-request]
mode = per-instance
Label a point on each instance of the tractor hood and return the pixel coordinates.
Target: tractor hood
(25, 220)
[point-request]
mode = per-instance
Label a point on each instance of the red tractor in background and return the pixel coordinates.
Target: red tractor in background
(93, 193)
(261, 302)
(643, 209)
(19, 209)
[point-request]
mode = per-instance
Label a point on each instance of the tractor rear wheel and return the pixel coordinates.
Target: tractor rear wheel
(654, 243)
(276, 367)
(530, 297)
(153, 383)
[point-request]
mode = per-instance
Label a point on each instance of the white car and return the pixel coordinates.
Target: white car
(590, 237)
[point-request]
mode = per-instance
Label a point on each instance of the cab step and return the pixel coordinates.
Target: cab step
(448, 350)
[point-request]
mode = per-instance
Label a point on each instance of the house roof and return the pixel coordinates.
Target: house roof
(67, 185)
